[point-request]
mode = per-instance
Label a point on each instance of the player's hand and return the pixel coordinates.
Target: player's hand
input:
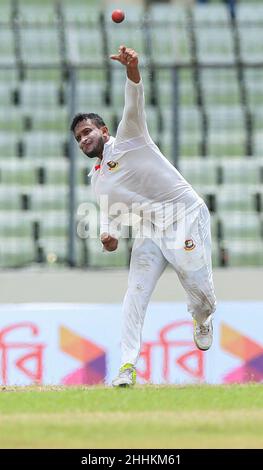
(110, 243)
(127, 57)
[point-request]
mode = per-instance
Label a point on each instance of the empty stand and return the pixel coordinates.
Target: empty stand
(218, 111)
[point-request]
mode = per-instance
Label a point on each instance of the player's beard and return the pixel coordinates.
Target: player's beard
(97, 150)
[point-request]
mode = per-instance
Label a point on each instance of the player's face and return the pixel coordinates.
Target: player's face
(90, 138)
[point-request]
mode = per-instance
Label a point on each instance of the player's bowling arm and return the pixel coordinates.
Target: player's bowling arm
(133, 122)
(129, 58)
(134, 97)
(133, 74)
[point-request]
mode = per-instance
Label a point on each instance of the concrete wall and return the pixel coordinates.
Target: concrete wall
(110, 285)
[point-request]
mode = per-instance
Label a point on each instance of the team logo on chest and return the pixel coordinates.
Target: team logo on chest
(113, 166)
(189, 245)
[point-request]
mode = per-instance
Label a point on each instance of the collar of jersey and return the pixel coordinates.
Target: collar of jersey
(98, 162)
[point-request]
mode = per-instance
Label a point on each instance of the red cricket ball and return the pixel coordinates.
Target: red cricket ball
(118, 16)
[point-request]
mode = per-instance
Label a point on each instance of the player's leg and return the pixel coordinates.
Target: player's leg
(146, 266)
(192, 261)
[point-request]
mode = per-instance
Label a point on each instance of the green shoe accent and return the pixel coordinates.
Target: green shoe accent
(132, 370)
(127, 376)
(126, 366)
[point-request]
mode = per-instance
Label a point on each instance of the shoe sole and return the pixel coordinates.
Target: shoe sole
(201, 349)
(123, 385)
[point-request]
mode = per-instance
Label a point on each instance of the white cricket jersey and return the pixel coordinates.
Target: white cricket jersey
(135, 177)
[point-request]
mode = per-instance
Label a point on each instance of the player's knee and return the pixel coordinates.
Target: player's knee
(140, 293)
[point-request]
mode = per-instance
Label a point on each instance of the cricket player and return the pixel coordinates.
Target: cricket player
(131, 172)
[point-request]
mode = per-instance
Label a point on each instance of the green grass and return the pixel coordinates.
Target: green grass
(143, 417)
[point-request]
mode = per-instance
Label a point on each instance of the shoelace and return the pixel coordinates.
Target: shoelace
(124, 372)
(203, 329)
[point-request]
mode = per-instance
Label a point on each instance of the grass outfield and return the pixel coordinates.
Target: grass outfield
(199, 416)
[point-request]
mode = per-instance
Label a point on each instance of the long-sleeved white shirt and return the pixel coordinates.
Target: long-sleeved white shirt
(135, 177)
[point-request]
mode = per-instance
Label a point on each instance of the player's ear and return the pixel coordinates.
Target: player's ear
(105, 131)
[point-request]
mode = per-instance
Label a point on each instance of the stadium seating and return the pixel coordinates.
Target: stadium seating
(213, 108)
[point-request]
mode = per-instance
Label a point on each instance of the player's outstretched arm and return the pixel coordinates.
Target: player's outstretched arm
(129, 58)
(133, 122)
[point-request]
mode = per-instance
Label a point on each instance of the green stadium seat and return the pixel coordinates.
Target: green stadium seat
(5, 91)
(169, 33)
(225, 120)
(24, 172)
(55, 248)
(20, 224)
(240, 253)
(6, 46)
(15, 224)
(258, 143)
(214, 220)
(38, 94)
(85, 194)
(81, 12)
(253, 79)
(215, 255)
(199, 171)
(40, 45)
(16, 252)
(226, 143)
(90, 94)
(241, 226)
(241, 171)
(84, 43)
(186, 89)
(55, 225)
(212, 24)
(164, 12)
(246, 14)
(34, 122)
(18, 173)
(8, 145)
(236, 198)
(99, 258)
(221, 90)
(43, 119)
(190, 121)
(190, 144)
(36, 12)
(211, 14)
(250, 31)
(48, 198)
(5, 12)
(44, 144)
(10, 198)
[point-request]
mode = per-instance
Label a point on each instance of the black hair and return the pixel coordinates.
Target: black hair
(95, 118)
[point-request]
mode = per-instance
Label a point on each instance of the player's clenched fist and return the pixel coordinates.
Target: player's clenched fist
(110, 243)
(126, 56)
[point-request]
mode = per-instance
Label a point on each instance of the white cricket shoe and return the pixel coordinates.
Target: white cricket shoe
(126, 377)
(203, 334)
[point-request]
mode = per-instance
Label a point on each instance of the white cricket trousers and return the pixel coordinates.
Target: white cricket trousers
(192, 263)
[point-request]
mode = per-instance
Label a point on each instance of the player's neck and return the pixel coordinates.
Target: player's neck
(106, 141)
